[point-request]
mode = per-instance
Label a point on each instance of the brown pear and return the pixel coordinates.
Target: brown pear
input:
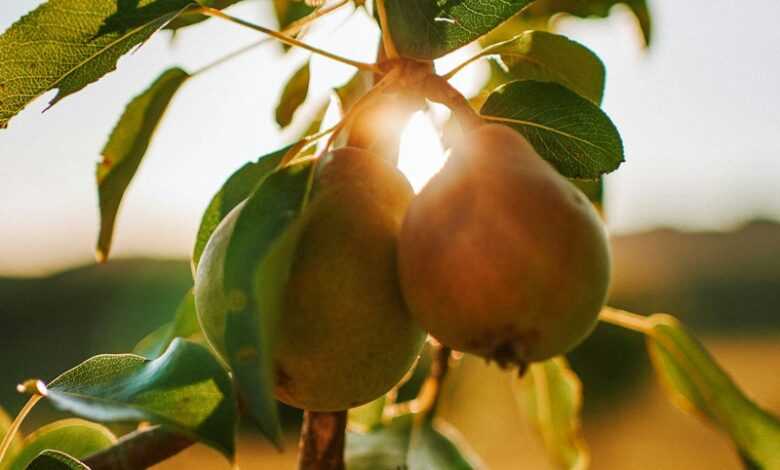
(502, 257)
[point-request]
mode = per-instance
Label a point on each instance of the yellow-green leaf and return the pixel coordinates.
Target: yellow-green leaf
(68, 44)
(75, 437)
(126, 147)
(697, 384)
(551, 396)
(16, 443)
(184, 325)
(56, 460)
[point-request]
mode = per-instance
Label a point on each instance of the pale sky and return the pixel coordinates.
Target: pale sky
(699, 114)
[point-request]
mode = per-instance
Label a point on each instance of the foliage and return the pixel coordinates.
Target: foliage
(543, 85)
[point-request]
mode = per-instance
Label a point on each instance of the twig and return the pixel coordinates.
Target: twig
(14, 427)
(139, 450)
(387, 40)
(289, 40)
(322, 441)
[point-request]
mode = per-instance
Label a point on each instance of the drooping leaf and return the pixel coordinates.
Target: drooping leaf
(185, 389)
(126, 148)
(428, 29)
(697, 384)
(435, 445)
(567, 130)
(290, 11)
(548, 57)
(75, 437)
(55, 460)
(237, 188)
(366, 417)
(551, 396)
(293, 95)
(16, 443)
(257, 263)
(407, 443)
(383, 448)
(68, 44)
(184, 325)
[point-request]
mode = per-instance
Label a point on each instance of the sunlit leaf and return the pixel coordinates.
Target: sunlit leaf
(551, 396)
(406, 443)
(354, 89)
(237, 188)
(697, 384)
(293, 95)
(185, 389)
(127, 146)
(68, 44)
(16, 443)
(258, 258)
(55, 460)
(567, 130)
(542, 56)
(75, 437)
(366, 417)
(290, 11)
(184, 325)
(432, 28)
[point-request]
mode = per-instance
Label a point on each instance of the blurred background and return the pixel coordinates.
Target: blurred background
(693, 215)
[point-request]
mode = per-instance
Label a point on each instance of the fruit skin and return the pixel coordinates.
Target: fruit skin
(345, 335)
(502, 257)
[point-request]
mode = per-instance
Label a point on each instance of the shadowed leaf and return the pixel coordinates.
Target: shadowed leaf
(55, 460)
(126, 148)
(293, 95)
(428, 29)
(68, 44)
(567, 130)
(186, 390)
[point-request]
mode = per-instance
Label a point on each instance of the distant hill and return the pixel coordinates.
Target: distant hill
(722, 283)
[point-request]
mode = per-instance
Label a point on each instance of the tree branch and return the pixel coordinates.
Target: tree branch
(139, 450)
(322, 441)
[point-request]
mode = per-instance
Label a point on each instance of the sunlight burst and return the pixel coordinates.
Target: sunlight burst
(421, 153)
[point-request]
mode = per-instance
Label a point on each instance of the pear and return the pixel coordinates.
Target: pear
(345, 336)
(502, 257)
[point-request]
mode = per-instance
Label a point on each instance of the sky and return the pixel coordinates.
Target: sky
(699, 113)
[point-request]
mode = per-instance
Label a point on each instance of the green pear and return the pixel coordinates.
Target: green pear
(502, 257)
(345, 336)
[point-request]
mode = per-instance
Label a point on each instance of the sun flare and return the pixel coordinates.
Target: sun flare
(421, 153)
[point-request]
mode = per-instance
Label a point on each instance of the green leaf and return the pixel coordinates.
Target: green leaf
(293, 95)
(186, 390)
(696, 383)
(567, 130)
(551, 396)
(593, 189)
(237, 188)
(16, 443)
(55, 460)
(354, 89)
(126, 148)
(366, 417)
(257, 264)
(383, 448)
(435, 445)
(185, 325)
(75, 437)
(432, 28)
(189, 18)
(408, 444)
(68, 44)
(548, 57)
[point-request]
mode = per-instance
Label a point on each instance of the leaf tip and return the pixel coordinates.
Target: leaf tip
(101, 255)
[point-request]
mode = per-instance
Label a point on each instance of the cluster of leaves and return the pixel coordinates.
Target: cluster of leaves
(543, 85)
